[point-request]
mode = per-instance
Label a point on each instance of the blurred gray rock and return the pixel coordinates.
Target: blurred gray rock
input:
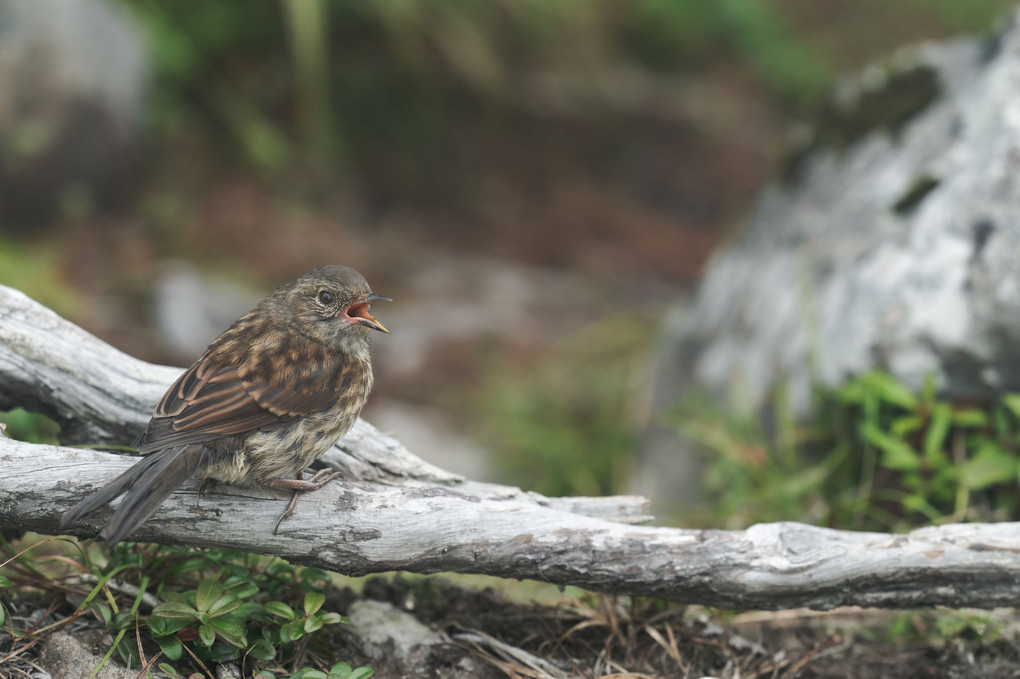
(73, 77)
(894, 245)
(387, 631)
(73, 655)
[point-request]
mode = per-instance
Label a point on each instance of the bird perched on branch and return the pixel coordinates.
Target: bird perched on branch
(270, 395)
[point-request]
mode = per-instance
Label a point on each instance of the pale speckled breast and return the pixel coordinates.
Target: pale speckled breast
(283, 450)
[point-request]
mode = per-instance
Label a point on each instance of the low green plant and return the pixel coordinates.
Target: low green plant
(207, 607)
(873, 454)
(215, 605)
(947, 625)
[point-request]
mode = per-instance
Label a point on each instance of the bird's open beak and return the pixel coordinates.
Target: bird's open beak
(358, 311)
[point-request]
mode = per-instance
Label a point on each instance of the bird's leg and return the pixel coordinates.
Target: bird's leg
(201, 489)
(202, 486)
(300, 485)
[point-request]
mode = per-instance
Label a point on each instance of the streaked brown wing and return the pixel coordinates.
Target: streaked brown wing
(216, 398)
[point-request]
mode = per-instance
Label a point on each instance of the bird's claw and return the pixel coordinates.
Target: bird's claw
(302, 485)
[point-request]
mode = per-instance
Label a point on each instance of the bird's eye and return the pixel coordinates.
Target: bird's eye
(326, 297)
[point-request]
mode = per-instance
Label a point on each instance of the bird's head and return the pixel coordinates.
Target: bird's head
(331, 304)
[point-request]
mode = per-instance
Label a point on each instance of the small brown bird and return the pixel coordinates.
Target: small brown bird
(270, 395)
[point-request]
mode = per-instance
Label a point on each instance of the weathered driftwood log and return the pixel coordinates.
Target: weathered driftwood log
(395, 511)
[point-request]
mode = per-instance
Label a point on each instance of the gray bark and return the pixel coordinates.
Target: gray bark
(394, 511)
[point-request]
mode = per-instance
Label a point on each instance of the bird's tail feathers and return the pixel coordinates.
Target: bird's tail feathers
(145, 485)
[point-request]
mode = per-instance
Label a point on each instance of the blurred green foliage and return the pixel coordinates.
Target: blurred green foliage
(685, 36)
(22, 425)
(34, 269)
(948, 625)
(564, 426)
(339, 85)
(973, 15)
(873, 455)
(198, 52)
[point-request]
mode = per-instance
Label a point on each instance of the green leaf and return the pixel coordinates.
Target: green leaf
(208, 592)
(313, 624)
(930, 388)
(6, 582)
(171, 646)
(902, 626)
(280, 609)
(237, 580)
(341, 670)
(170, 617)
(1012, 403)
(175, 597)
(262, 650)
(938, 431)
(159, 627)
(243, 589)
(230, 632)
(896, 454)
(313, 602)
(222, 651)
(168, 669)
(970, 417)
(126, 649)
(316, 574)
(194, 564)
(851, 392)
(917, 503)
(989, 466)
(891, 391)
(248, 610)
(333, 618)
(1001, 423)
(207, 634)
(309, 673)
(344, 671)
(797, 485)
(123, 620)
(951, 626)
(294, 630)
(280, 569)
(105, 613)
(907, 424)
(943, 485)
(224, 605)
